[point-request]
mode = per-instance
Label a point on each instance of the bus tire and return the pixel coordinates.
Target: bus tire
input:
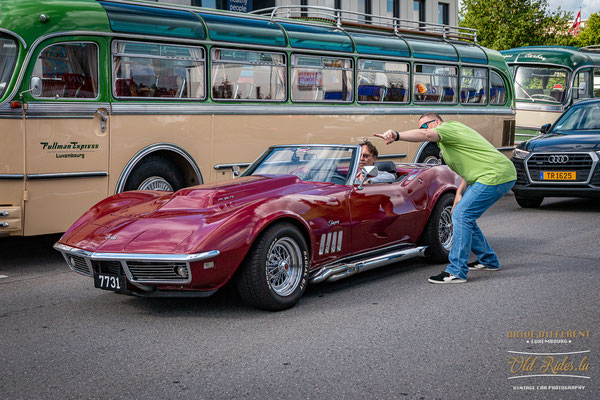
(528, 202)
(430, 155)
(155, 172)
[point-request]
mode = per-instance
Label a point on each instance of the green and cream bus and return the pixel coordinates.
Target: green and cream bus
(549, 79)
(99, 97)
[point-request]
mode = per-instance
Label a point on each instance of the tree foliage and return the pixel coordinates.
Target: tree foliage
(590, 35)
(505, 24)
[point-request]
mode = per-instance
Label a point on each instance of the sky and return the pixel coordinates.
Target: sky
(588, 7)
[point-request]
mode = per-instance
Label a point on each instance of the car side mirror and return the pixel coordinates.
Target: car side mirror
(545, 128)
(368, 171)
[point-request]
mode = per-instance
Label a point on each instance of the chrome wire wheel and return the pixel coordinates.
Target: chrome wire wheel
(155, 183)
(445, 228)
(284, 266)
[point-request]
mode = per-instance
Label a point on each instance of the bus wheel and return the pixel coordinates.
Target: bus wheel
(155, 173)
(430, 155)
(529, 202)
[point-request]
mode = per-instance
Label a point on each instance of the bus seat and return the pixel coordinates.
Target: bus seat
(558, 95)
(332, 96)
(396, 94)
(167, 86)
(369, 93)
(122, 87)
(73, 84)
(447, 94)
(52, 87)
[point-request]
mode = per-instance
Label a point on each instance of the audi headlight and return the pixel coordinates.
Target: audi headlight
(520, 154)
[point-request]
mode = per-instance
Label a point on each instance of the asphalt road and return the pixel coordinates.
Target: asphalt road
(385, 334)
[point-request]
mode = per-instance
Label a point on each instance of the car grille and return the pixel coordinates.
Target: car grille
(79, 264)
(150, 272)
(108, 267)
(521, 175)
(580, 163)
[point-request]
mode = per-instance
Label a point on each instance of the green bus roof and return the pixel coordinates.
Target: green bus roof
(570, 57)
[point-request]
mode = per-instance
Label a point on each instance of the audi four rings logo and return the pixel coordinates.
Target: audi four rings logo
(558, 159)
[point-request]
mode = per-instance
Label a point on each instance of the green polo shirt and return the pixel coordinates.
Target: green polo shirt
(472, 157)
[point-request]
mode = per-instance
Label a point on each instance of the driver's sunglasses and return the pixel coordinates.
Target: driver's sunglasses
(426, 124)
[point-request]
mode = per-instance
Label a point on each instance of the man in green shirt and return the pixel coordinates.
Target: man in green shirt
(486, 174)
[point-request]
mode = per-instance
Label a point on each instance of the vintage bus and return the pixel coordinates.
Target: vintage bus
(549, 79)
(99, 97)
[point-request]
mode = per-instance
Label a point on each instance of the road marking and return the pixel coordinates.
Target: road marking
(3, 276)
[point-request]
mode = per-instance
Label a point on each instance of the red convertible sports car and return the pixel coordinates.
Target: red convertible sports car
(295, 216)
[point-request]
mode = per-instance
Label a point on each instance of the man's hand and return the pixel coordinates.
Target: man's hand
(389, 136)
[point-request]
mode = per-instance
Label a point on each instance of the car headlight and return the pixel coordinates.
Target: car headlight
(520, 154)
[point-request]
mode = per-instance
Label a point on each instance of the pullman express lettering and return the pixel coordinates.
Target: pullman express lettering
(70, 146)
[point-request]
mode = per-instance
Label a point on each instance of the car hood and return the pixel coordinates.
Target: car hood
(178, 223)
(561, 142)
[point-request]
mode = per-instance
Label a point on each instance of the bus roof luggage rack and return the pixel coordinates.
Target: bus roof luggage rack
(352, 19)
(591, 49)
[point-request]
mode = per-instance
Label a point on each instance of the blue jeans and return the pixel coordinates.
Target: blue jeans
(467, 235)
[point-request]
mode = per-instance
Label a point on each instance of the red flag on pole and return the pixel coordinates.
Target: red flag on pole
(575, 27)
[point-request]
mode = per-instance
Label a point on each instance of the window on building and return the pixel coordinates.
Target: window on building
(326, 79)
(365, 7)
(157, 70)
(68, 70)
(419, 10)
(247, 75)
(443, 13)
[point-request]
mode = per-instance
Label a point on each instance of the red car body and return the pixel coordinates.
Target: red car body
(210, 230)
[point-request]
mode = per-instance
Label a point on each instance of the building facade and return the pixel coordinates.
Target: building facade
(434, 11)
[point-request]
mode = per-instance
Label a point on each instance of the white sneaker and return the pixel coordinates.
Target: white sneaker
(445, 277)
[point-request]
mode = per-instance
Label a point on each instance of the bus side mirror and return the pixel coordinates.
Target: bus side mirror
(35, 87)
(545, 128)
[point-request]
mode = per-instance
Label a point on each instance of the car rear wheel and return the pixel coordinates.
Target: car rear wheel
(529, 202)
(275, 273)
(438, 235)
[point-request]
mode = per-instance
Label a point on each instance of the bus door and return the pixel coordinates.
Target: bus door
(66, 133)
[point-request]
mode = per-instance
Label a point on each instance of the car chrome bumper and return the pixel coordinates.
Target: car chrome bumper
(139, 268)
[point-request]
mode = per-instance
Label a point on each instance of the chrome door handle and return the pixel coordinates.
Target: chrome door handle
(103, 119)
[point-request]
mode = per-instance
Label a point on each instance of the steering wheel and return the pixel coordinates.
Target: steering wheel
(542, 96)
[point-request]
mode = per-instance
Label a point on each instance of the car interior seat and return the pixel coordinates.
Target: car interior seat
(387, 166)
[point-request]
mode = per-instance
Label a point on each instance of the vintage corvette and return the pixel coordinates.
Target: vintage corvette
(295, 216)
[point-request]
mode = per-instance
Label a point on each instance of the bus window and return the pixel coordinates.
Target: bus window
(541, 83)
(596, 82)
(435, 83)
(383, 81)
(247, 75)
(322, 79)
(8, 56)
(473, 86)
(498, 89)
(157, 70)
(582, 84)
(68, 70)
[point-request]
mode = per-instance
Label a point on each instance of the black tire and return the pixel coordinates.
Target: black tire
(431, 155)
(529, 202)
(281, 286)
(436, 235)
(155, 173)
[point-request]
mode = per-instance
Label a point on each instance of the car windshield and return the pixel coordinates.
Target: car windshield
(8, 56)
(548, 84)
(310, 163)
(584, 117)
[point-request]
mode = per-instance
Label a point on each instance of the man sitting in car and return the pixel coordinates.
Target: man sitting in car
(368, 156)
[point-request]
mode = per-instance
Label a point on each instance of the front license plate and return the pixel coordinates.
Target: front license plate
(558, 175)
(109, 282)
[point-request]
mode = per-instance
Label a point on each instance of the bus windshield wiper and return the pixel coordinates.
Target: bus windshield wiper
(525, 91)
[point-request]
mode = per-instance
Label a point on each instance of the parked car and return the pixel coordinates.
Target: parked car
(295, 216)
(563, 160)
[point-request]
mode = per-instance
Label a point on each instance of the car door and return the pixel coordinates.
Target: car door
(66, 133)
(384, 214)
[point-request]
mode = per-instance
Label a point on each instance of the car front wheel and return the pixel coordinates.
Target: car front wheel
(529, 202)
(275, 273)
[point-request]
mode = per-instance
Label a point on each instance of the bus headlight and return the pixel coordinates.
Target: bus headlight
(520, 154)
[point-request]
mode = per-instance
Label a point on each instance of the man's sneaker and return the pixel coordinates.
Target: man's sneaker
(477, 266)
(445, 277)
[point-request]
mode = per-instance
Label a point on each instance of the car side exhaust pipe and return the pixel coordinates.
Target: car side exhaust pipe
(335, 272)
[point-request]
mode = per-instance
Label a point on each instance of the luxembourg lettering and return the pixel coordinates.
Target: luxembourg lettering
(67, 150)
